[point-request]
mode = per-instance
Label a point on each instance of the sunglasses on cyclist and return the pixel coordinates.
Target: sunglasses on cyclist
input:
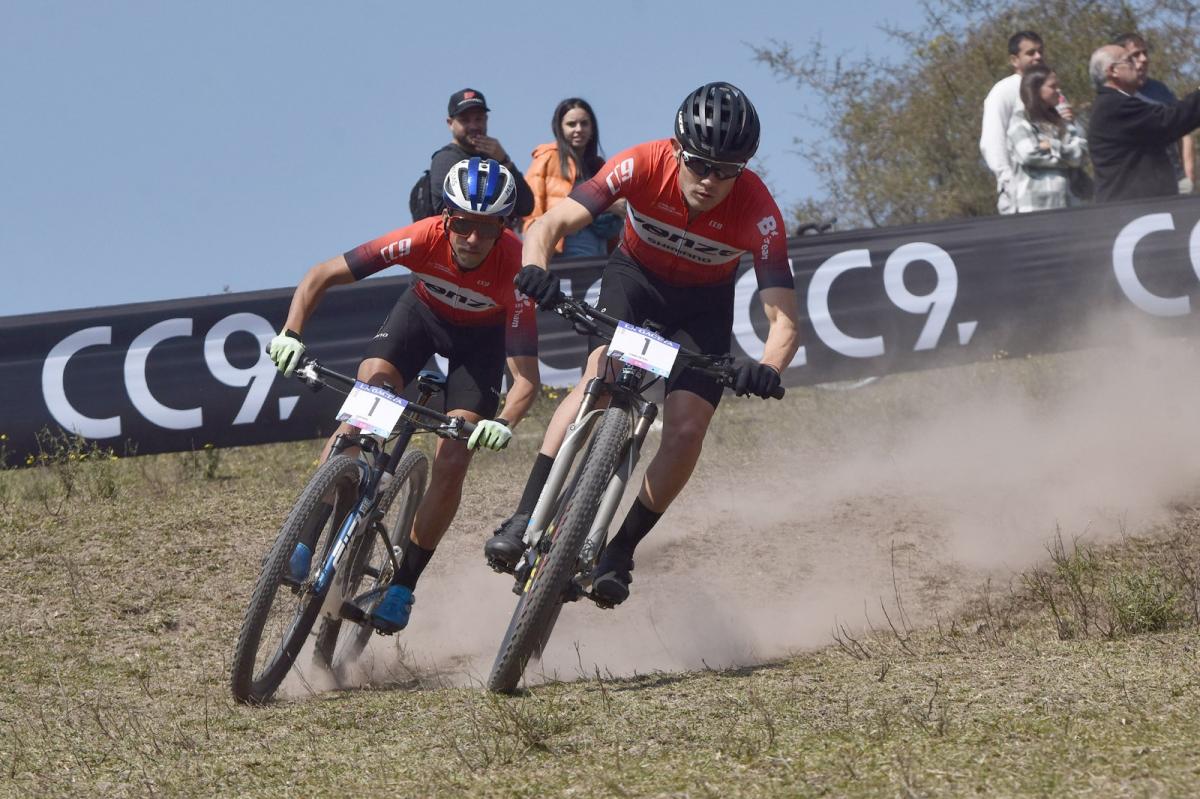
(465, 227)
(703, 167)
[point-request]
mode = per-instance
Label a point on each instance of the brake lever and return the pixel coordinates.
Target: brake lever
(308, 375)
(572, 311)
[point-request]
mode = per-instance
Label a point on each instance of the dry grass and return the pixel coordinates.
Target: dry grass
(120, 598)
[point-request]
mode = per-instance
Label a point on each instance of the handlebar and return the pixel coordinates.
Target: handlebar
(316, 376)
(588, 320)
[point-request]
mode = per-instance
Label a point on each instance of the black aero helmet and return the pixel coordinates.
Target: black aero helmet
(718, 121)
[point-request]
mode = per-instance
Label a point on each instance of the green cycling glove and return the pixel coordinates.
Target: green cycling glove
(489, 433)
(285, 351)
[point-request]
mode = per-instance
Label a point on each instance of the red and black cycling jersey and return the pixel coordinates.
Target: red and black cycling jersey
(482, 296)
(700, 252)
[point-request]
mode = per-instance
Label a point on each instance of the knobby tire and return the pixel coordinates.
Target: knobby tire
(538, 607)
(317, 515)
(368, 569)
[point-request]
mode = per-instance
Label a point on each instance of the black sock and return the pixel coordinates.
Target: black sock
(637, 524)
(416, 558)
(535, 484)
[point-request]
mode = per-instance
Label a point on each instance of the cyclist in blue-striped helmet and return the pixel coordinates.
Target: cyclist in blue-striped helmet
(479, 195)
(476, 186)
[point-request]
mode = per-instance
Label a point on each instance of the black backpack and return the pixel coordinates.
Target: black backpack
(420, 199)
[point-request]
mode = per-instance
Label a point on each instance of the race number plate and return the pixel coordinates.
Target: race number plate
(643, 348)
(372, 409)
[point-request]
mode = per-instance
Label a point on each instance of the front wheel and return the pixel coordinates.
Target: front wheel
(368, 572)
(282, 609)
(537, 610)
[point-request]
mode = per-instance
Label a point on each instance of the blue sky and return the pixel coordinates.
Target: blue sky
(157, 150)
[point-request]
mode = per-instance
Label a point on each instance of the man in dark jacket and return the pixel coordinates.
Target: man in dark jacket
(468, 121)
(1128, 136)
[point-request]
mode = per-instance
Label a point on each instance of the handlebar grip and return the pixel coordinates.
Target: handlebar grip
(778, 392)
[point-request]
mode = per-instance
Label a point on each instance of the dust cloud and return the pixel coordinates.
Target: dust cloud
(924, 484)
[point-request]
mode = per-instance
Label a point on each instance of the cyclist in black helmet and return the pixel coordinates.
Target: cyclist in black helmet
(693, 210)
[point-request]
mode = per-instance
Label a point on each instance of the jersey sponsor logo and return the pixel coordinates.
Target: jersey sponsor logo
(395, 251)
(520, 305)
(622, 173)
(681, 243)
(767, 225)
(457, 296)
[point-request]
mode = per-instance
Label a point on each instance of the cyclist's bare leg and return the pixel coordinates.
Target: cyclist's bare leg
(376, 372)
(685, 423)
(437, 509)
(565, 413)
(686, 417)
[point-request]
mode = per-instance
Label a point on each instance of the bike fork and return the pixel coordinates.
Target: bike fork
(365, 502)
(617, 484)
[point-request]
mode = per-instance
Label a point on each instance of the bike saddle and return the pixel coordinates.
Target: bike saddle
(431, 381)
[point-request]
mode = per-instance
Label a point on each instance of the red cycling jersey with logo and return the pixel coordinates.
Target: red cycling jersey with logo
(700, 252)
(481, 296)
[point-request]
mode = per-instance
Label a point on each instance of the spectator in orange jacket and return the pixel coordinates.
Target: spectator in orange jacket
(573, 157)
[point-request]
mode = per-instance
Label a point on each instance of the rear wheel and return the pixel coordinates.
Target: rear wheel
(538, 608)
(369, 569)
(282, 611)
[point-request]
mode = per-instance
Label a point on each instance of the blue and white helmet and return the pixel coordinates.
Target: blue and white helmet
(480, 187)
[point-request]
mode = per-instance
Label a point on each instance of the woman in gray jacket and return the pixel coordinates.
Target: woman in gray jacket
(1044, 144)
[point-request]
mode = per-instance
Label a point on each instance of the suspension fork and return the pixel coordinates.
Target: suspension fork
(647, 412)
(577, 436)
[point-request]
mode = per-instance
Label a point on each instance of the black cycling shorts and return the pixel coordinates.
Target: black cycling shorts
(698, 317)
(411, 335)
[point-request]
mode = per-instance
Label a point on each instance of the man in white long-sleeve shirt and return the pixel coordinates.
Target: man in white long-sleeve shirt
(1024, 51)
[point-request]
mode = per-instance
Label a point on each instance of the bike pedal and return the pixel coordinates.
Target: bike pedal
(573, 592)
(599, 600)
(499, 566)
(352, 612)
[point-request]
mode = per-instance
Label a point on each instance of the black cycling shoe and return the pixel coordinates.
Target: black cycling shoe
(611, 577)
(507, 544)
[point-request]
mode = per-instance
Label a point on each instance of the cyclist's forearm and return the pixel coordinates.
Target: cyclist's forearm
(524, 388)
(783, 340)
(312, 288)
(783, 334)
(518, 401)
(565, 218)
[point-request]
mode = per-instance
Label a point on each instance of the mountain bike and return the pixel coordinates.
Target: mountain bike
(568, 528)
(354, 516)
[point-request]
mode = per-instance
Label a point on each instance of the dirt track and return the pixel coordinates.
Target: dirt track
(926, 483)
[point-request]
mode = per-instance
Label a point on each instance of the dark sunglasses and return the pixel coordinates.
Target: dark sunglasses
(465, 227)
(702, 167)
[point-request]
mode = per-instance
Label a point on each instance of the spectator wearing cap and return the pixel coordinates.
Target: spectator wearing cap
(1181, 153)
(1128, 136)
(468, 122)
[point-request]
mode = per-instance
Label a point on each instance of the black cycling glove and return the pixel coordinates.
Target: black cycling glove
(538, 285)
(755, 378)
